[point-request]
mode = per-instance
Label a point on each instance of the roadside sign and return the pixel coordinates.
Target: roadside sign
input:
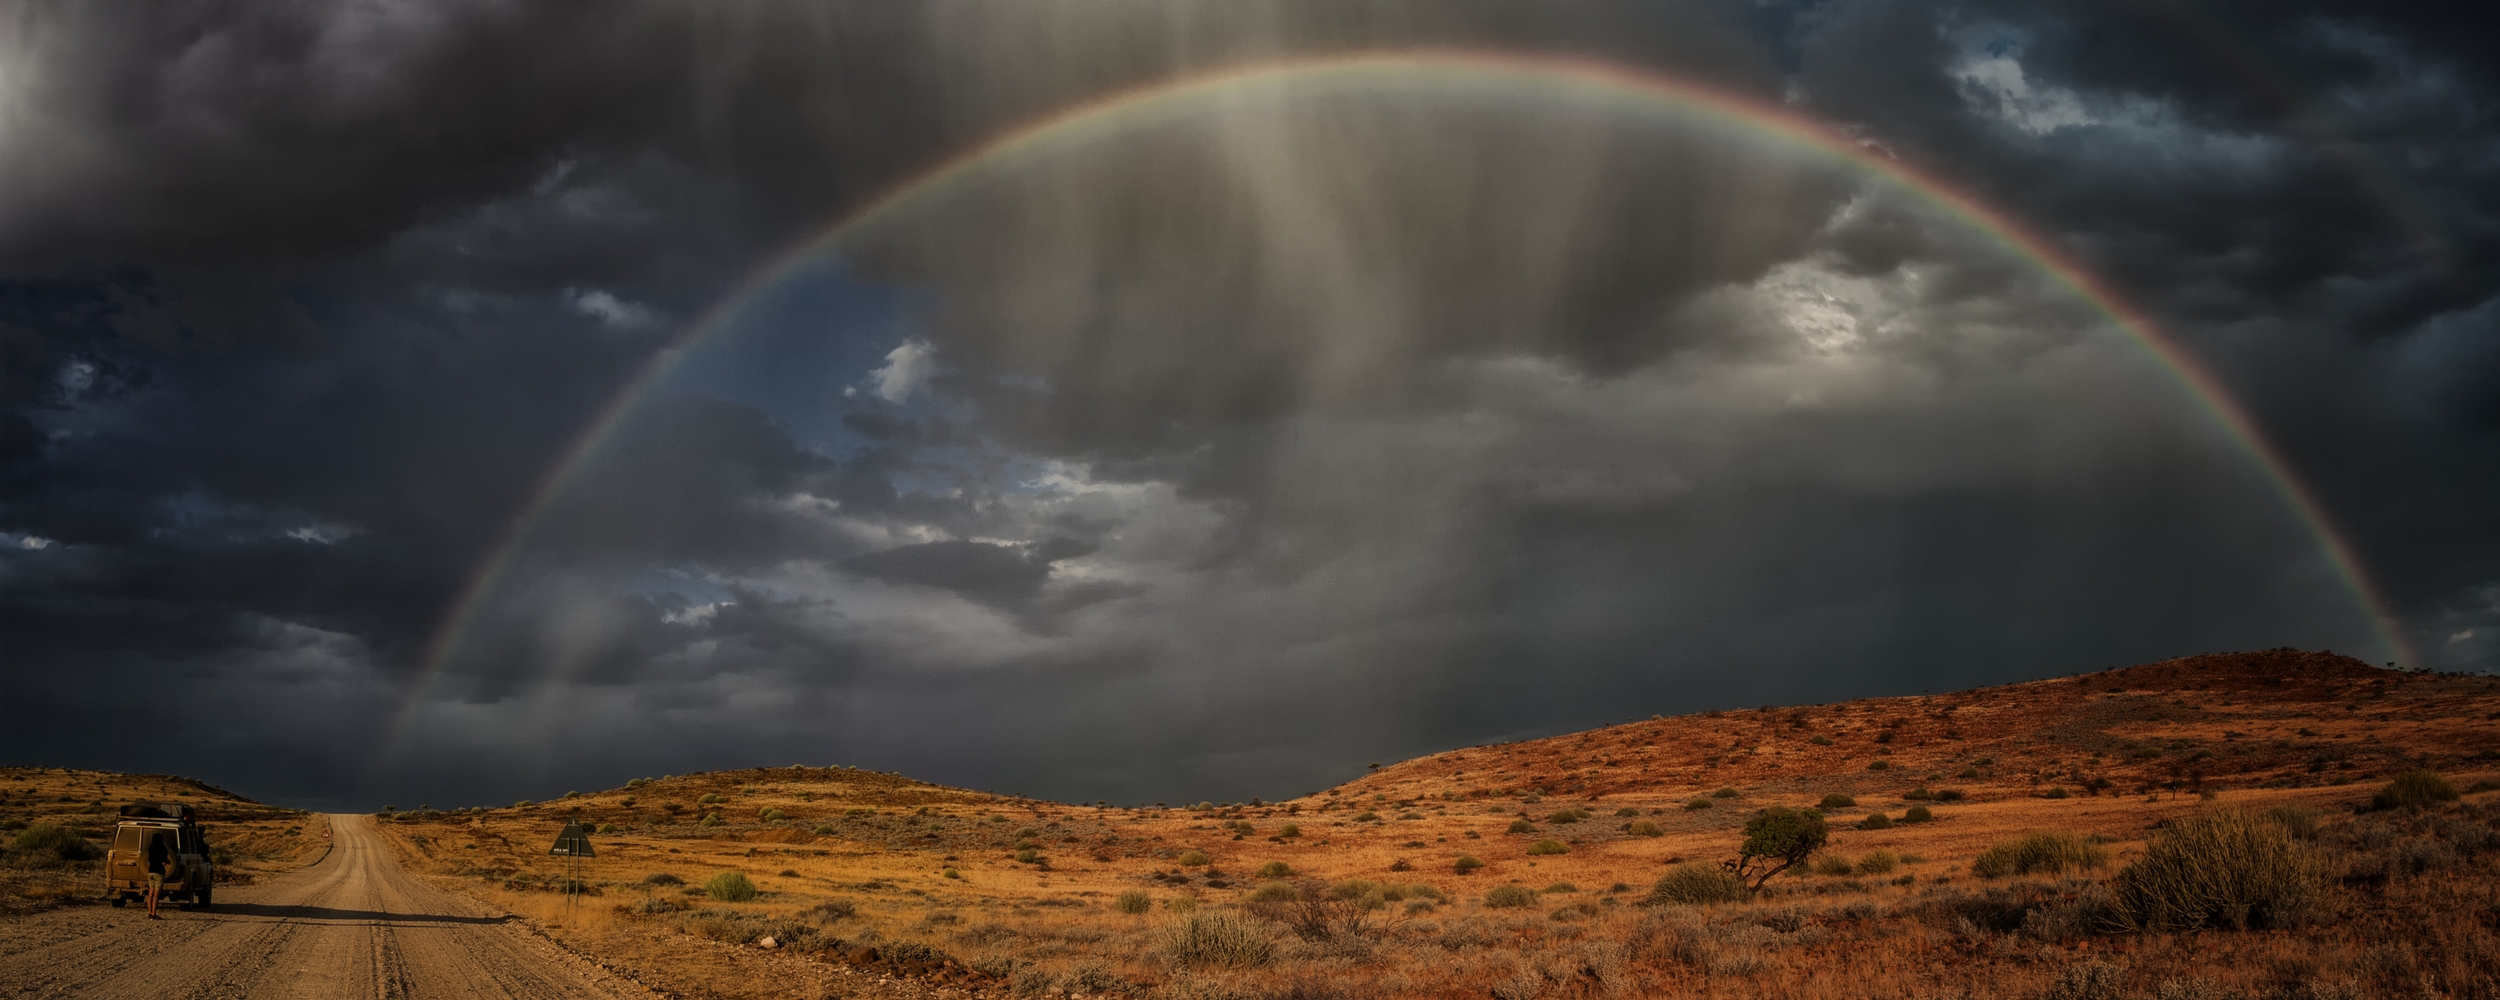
(573, 843)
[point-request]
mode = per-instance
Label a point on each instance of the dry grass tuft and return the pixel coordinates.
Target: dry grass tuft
(2228, 868)
(2041, 852)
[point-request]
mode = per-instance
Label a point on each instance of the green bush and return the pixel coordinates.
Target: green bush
(1878, 863)
(1645, 828)
(729, 887)
(1194, 858)
(1917, 814)
(1544, 847)
(772, 815)
(1133, 902)
(1466, 863)
(1875, 821)
(2414, 789)
(1218, 940)
(1522, 826)
(822, 829)
(1837, 800)
(1289, 830)
(709, 798)
(1510, 896)
(2227, 868)
(53, 843)
(1695, 885)
(2041, 852)
(1776, 838)
(1275, 869)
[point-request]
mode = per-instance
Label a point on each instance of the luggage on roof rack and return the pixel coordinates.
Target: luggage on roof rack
(157, 810)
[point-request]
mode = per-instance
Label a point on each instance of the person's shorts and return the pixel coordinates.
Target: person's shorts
(155, 879)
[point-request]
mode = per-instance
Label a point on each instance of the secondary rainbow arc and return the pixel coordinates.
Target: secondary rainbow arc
(1570, 80)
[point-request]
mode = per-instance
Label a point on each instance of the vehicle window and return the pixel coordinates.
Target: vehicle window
(129, 838)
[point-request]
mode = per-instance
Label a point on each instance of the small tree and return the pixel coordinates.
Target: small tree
(1776, 839)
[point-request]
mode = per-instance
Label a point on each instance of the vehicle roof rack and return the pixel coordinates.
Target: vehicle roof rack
(157, 810)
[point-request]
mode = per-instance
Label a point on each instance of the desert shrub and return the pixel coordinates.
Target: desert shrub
(1133, 902)
(1724, 793)
(1950, 795)
(1776, 838)
(822, 829)
(729, 887)
(1181, 904)
(2227, 868)
(662, 878)
(1917, 814)
(1194, 858)
(1275, 892)
(1821, 741)
(2089, 981)
(1289, 830)
(1695, 885)
(1878, 863)
(709, 798)
(2303, 823)
(772, 815)
(710, 819)
(1832, 864)
(1698, 804)
(53, 843)
(789, 873)
(1353, 888)
(1218, 940)
(1837, 800)
(2414, 789)
(1875, 821)
(1522, 826)
(1275, 869)
(1626, 812)
(832, 909)
(1645, 828)
(2041, 852)
(1510, 896)
(1027, 855)
(607, 828)
(2055, 792)
(1466, 863)
(1881, 765)
(1544, 847)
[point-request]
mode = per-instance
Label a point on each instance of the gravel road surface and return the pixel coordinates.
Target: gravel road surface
(351, 926)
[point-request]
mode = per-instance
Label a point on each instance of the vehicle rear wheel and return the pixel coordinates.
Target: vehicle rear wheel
(203, 900)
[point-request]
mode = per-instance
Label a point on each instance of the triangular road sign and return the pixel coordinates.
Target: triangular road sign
(573, 843)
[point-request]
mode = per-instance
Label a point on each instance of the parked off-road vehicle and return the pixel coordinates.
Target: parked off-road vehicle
(184, 840)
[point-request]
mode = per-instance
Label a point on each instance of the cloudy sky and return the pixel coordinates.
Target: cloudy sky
(450, 403)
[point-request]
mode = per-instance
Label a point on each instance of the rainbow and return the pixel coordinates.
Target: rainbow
(1638, 91)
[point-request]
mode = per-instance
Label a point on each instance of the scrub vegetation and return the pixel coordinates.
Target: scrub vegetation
(2244, 825)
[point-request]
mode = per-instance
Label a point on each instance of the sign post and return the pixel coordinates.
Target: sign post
(573, 845)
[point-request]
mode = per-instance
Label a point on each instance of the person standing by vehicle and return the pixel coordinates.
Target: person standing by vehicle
(161, 866)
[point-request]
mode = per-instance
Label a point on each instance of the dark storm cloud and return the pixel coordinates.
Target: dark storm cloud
(1231, 454)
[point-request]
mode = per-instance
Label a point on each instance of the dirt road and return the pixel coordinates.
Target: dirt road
(352, 925)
